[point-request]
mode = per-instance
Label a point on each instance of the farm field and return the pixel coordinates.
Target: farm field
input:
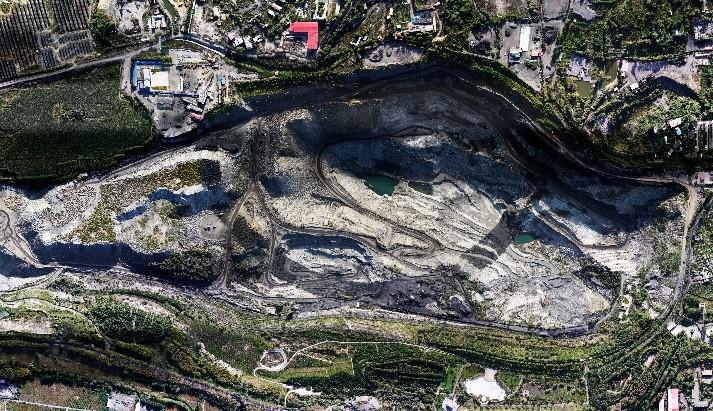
(59, 395)
(61, 129)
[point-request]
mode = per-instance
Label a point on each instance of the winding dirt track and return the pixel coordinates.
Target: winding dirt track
(691, 210)
(276, 224)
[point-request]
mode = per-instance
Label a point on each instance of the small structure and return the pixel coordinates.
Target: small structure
(121, 402)
(422, 17)
(707, 376)
(156, 22)
(308, 29)
(8, 391)
(514, 55)
(579, 67)
(634, 86)
(704, 135)
(450, 404)
(141, 73)
(164, 101)
(364, 402)
(320, 10)
(672, 399)
(702, 178)
(195, 109)
(144, 406)
(216, 13)
(697, 403)
(702, 29)
(626, 303)
(673, 123)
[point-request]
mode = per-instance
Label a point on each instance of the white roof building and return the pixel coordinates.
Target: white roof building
(146, 77)
(8, 391)
(675, 122)
(121, 402)
(525, 38)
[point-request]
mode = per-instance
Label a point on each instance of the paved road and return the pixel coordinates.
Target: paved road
(75, 67)
(41, 404)
(124, 57)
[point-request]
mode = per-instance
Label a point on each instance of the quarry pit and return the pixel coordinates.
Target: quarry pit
(428, 197)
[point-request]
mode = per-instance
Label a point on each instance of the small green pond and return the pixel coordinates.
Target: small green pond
(523, 238)
(423, 188)
(381, 184)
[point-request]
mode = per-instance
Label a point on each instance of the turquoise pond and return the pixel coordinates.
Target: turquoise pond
(523, 238)
(381, 184)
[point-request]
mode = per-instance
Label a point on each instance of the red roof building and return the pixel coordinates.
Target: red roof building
(311, 28)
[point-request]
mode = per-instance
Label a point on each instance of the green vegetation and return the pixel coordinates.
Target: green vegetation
(602, 276)
(380, 364)
(72, 326)
(153, 55)
(674, 107)
(61, 395)
(13, 370)
(239, 347)
(668, 256)
(552, 391)
(64, 128)
(127, 323)
(510, 381)
(643, 29)
(104, 30)
(115, 197)
(347, 370)
(632, 141)
(192, 265)
(245, 236)
(460, 17)
(706, 93)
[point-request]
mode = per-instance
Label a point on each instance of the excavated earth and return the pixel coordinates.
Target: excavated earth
(438, 198)
(428, 195)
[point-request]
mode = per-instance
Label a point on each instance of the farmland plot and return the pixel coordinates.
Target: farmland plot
(42, 35)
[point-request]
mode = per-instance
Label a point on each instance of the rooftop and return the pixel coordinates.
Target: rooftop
(311, 28)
